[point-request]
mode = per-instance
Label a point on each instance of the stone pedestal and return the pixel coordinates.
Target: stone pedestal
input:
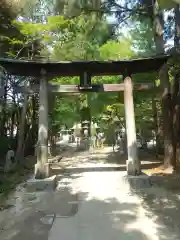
(46, 184)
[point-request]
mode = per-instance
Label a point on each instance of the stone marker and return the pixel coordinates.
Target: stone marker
(10, 161)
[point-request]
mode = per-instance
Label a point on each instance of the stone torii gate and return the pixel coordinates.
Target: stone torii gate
(85, 70)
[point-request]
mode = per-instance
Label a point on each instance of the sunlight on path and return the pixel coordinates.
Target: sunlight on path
(92, 202)
(107, 209)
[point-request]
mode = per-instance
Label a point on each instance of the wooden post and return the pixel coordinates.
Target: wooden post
(133, 164)
(42, 167)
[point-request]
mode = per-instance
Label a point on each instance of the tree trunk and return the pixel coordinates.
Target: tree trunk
(176, 88)
(13, 116)
(4, 102)
(2, 81)
(155, 118)
(52, 130)
(20, 147)
(169, 158)
(158, 23)
(176, 117)
(35, 104)
(177, 28)
(12, 125)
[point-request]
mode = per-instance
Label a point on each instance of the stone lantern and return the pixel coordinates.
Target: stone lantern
(86, 128)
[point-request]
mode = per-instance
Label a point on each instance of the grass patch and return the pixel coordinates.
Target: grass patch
(9, 181)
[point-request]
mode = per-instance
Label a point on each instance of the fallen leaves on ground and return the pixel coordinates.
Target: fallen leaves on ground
(160, 171)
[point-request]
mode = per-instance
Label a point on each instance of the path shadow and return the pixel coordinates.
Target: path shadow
(161, 200)
(36, 226)
(143, 155)
(110, 218)
(61, 148)
(111, 161)
(37, 223)
(106, 218)
(56, 171)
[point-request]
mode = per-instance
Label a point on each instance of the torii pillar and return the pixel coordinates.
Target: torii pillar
(42, 166)
(132, 163)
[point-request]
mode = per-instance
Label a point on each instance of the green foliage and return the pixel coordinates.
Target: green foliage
(167, 4)
(69, 33)
(5, 142)
(117, 50)
(143, 38)
(64, 112)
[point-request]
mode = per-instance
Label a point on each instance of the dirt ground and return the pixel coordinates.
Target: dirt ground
(93, 180)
